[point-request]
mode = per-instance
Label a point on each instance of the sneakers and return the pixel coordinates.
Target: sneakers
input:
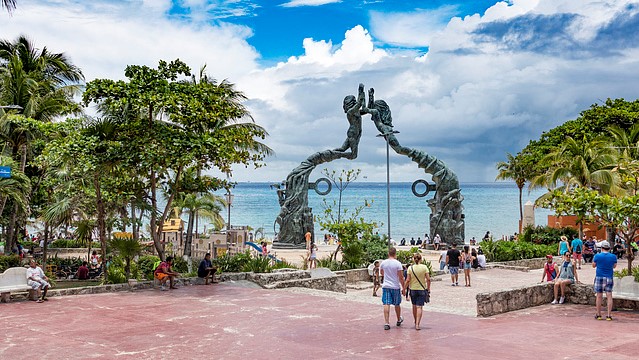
(386, 327)
(598, 317)
(554, 302)
(163, 288)
(609, 318)
(400, 321)
(561, 300)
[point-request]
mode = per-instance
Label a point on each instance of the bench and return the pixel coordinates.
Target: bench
(13, 280)
(626, 288)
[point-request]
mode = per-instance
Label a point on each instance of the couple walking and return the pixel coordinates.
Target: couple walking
(416, 285)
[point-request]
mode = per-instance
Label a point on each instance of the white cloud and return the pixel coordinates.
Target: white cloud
(296, 3)
(470, 100)
(415, 28)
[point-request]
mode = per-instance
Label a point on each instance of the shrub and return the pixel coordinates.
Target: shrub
(258, 264)
(283, 264)
(232, 263)
(9, 261)
(331, 264)
(116, 275)
(406, 256)
(145, 266)
(546, 235)
(375, 248)
(515, 250)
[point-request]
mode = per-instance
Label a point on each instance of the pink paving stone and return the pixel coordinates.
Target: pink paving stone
(232, 322)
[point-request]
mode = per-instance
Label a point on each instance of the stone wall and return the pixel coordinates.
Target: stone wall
(536, 263)
(499, 302)
(331, 283)
(263, 279)
(355, 275)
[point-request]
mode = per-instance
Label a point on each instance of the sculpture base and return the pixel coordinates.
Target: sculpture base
(281, 245)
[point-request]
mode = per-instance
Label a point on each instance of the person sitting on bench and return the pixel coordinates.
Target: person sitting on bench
(163, 273)
(37, 280)
(83, 272)
(206, 270)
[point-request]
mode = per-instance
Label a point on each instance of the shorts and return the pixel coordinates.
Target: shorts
(419, 297)
(454, 270)
(576, 256)
(391, 296)
(467, 266)
(161, 276)
(603, 284)
(442, 265)
(35, 285)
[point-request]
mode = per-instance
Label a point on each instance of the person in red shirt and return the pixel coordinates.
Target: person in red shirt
(163, 273)
(83, 272)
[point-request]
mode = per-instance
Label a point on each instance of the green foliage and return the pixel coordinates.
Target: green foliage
(375, 248)
(546, 235)
(9, 261)
(515, 250)
(145, 266)
(180, 265)
(331, 264)
(258, 264)
(116, 275)
(232, 263)
(406, 256)
(283, 264)
(624, 272)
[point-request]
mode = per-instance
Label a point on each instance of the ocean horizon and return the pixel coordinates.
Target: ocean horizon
(490, 207)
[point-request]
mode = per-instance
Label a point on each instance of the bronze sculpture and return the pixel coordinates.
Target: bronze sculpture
(296, 218)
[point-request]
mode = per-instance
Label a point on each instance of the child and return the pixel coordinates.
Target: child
(376, 278)
(550, 269)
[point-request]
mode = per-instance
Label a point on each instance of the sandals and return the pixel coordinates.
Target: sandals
(400, 321)
(39, 301)
(386, 327)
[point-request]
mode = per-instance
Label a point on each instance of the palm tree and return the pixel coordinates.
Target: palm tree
(513, 169)
(587, 164)
(626, 142)
(208, 206)
(10, 5)
(16, 188)
(128, 248)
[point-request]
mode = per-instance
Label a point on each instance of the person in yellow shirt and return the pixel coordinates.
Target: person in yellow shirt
(418, 281)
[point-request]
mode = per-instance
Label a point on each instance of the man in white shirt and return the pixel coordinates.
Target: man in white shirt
(393, 287)
(37, 280)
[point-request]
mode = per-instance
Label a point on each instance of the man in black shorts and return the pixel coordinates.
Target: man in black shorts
(206, 270)
(453, 256)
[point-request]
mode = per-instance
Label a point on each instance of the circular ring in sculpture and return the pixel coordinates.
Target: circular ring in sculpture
(328, 183)
(417, 182)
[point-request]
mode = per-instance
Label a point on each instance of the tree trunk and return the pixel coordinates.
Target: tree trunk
(155, 231)
(134, 227)
(189, 235)
(521, 207)
(101, 222)
(46, 245)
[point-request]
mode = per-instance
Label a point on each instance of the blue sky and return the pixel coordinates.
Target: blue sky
(467, 81)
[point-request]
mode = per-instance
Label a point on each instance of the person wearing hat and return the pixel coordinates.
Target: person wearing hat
(550, 269)
(605, 263)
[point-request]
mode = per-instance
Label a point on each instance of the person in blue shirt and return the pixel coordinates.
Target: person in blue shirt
(206, 270)
(605, 263)
(563, 246)
(577, 248)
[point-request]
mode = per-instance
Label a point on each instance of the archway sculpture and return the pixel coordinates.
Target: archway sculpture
(296, 218)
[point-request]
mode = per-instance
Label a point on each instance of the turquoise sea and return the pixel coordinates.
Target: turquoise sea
(490, 207)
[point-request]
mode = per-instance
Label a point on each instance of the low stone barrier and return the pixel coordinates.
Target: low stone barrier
(330, 283)
(355, 275)
(499, 302)
(263, 279)
(536, 263)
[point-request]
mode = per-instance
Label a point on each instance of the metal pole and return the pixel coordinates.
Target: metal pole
(388, 190)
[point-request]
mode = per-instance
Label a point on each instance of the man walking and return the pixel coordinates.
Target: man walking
(453, 256)
(577, 247)
(393, 287)
(605, 263)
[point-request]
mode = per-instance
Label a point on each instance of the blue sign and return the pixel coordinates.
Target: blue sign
(5, 172)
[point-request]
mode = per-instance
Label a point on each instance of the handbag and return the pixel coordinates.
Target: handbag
(422, 285)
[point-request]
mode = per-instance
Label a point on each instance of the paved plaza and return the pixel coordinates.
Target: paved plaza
(236, 320)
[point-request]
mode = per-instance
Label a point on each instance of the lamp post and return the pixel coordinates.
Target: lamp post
(385, 136)
(229, 201)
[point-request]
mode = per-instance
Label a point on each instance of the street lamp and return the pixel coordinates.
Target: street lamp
(385, 136)
(229, 201)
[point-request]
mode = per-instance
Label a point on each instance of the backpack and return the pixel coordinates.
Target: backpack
(156, 264)
(578, 249)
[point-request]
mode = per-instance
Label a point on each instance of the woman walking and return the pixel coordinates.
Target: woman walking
(417, 276)
(563, 246)
(467, 261)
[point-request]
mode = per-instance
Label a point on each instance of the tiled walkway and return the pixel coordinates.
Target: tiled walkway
(230, 321)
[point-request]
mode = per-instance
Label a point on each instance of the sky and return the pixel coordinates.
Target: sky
(467, 81)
